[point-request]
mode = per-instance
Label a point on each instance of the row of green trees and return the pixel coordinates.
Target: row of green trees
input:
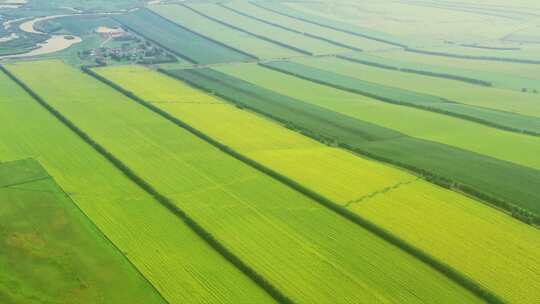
(399, 102)
(166, 202)
(207, 236)
(447, 270)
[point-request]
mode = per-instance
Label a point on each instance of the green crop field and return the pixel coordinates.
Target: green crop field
(349, 81)
(178, 40)
(240, 206)
(394, 147)
(282, 36)
(508, 146)
(269, 151)
(370, 188)
(457, 91)
(235, 38)
(508, 69)
(340, 38)
(154, 240)
(47, 239)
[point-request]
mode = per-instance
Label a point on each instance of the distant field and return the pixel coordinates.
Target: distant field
(338, 37)
(404, 61)
(481, 96)
(531, 71)
(392, 92)
(490, 178)
(364, 186)
(171, 256)
(239, 206)
(284, 37)
(45, 239)
(237, 39)
(520, 149)
(178, 40)
(408, 20)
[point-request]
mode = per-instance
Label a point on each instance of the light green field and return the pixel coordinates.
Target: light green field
(457, 91)
(311, 45)
(497, 251)
(45, 239)
(392, 198)
(222, 33)
(417, 24)
(175, 260)
(330, 171)
(531, 71)
(305, 27)
(516, 148)
(296, 244)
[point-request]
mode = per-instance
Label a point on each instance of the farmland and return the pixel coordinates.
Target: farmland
(178, 40)
(288, 152)
(365, 191)
(236, 197)
(43, 232)
(422, 124)
(292, 40)
(237, 39)
(129, 217)
(332, 36)
(376, 141)
(403, 96)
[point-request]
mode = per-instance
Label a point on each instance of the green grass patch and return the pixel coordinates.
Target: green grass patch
(51, 252)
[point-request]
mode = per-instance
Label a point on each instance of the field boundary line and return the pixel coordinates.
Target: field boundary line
(407, 104)
(204, 36)
(330, 27)
(404, 46)
(454, 275)
(122, 253)
(157, 43)
(485, 198)
(163, 200)
(287, 46)
(465, 79)
(290, 29)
